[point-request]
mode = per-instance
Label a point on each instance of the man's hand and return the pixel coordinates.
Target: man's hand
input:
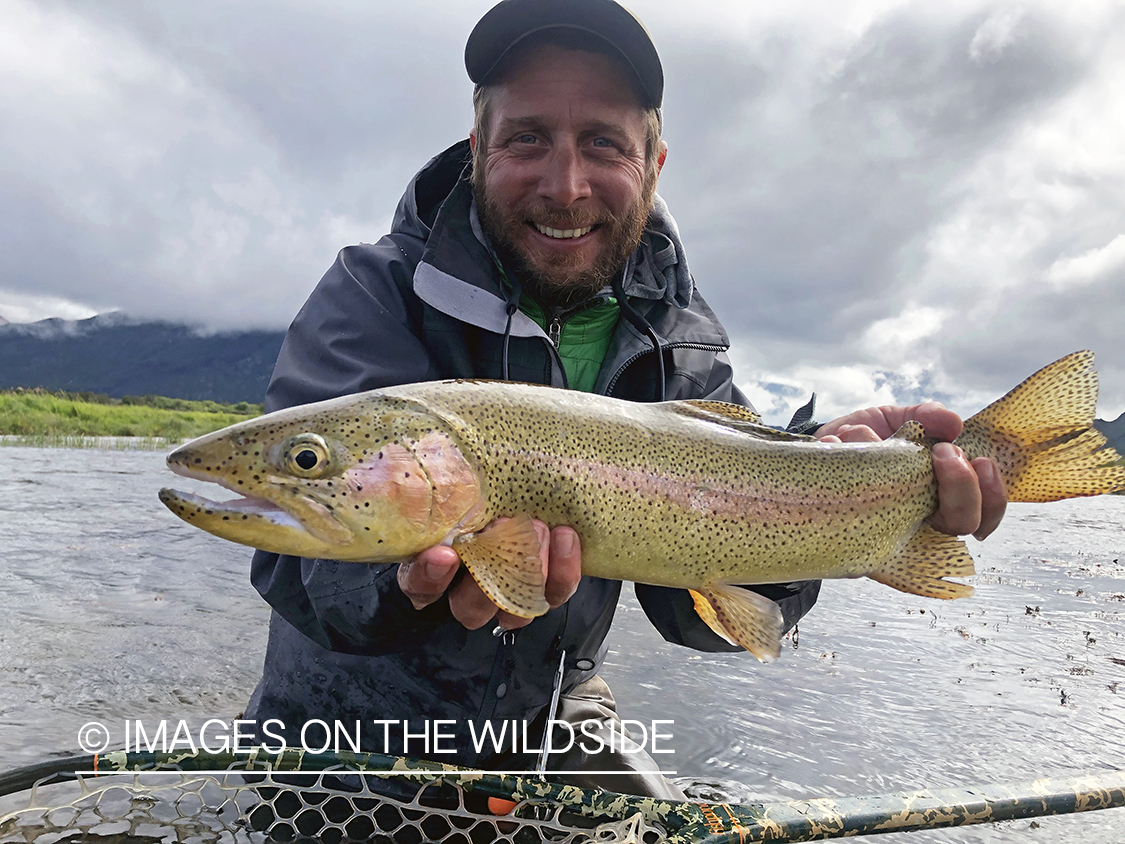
(971, 496)
(426, 577)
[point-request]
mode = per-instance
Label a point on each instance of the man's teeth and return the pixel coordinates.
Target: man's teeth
(562, 233)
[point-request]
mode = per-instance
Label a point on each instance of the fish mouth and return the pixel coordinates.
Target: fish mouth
(241, 508)
(251, 513)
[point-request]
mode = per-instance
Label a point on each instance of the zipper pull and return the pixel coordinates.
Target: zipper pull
(554, 331)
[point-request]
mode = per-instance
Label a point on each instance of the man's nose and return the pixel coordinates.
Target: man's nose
(564, 180)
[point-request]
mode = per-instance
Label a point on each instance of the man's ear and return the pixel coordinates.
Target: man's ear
(659, 158)
(473, 143)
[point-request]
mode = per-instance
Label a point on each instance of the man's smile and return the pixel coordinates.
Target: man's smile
(563, 234)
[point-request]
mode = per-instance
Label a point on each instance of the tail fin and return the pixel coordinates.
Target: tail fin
(1042, 437)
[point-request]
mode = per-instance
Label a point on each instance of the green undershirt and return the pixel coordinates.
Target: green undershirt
(583, 339)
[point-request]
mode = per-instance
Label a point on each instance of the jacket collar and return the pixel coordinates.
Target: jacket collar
(457, 275)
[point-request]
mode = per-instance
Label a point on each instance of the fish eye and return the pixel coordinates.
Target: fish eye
(307, 456)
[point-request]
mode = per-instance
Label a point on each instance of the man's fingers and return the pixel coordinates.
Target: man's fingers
(939, 422)
(566, 566)
(959, 492)
(854, 434)
(425, 578)
(994, 497)
(470, 605)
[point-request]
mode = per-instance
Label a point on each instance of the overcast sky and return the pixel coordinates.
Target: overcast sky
(883, 201)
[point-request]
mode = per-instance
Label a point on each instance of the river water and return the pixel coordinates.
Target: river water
(113, 609)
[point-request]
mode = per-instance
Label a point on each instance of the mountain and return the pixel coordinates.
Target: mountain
(1114, 432)
(118, 356)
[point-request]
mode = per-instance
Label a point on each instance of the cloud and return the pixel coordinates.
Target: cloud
(1100, 265)
(884, 201)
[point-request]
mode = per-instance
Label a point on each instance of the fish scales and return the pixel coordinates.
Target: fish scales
(658, 497)
(692, 494)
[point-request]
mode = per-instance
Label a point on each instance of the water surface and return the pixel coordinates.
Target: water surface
(112, 608)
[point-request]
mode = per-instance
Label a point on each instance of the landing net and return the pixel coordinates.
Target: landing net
(151, 798)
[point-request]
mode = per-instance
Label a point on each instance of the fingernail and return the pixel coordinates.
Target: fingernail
(986, 472)
(562, 543)
(944, 451)
(436, 570)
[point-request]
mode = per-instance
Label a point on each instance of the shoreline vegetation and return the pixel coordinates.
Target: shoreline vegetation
(53, 419)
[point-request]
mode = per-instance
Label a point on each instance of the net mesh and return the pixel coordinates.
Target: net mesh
(332, 807)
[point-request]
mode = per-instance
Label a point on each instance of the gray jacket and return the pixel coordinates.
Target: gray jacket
(426, 303)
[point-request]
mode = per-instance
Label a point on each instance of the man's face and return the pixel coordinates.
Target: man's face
(565, 189)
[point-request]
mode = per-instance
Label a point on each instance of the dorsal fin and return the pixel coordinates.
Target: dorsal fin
(732, 416)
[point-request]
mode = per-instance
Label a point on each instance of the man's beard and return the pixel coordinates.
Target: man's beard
(561, 281)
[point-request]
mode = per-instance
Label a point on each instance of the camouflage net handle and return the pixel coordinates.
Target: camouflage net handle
(609, 817)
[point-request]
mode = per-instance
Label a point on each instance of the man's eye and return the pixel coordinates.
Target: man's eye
(604, 143)
(526, 139)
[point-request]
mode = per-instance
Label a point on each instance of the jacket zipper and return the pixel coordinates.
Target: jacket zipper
(709, 347)
(554, 330)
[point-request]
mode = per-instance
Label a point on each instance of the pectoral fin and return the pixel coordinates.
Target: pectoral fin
(920, 566)
(746, 618)
(504, 561)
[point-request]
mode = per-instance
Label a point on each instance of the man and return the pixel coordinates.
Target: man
(537, 251)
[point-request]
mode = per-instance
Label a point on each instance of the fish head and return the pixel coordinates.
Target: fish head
(366, 478)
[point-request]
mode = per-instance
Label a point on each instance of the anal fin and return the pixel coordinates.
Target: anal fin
(921, 565)
(747, 619)
(504, 561)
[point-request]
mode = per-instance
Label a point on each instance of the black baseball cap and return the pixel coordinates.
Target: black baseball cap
(507, 23)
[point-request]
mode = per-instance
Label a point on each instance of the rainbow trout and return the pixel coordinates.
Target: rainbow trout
(692, 494)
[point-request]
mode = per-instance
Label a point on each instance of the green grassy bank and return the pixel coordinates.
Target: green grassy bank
(40, 417)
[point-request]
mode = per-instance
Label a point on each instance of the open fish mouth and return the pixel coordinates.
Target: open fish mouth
(249, 518)
(241, 508)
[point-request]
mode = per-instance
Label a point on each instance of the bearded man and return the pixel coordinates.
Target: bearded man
(537, 251)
